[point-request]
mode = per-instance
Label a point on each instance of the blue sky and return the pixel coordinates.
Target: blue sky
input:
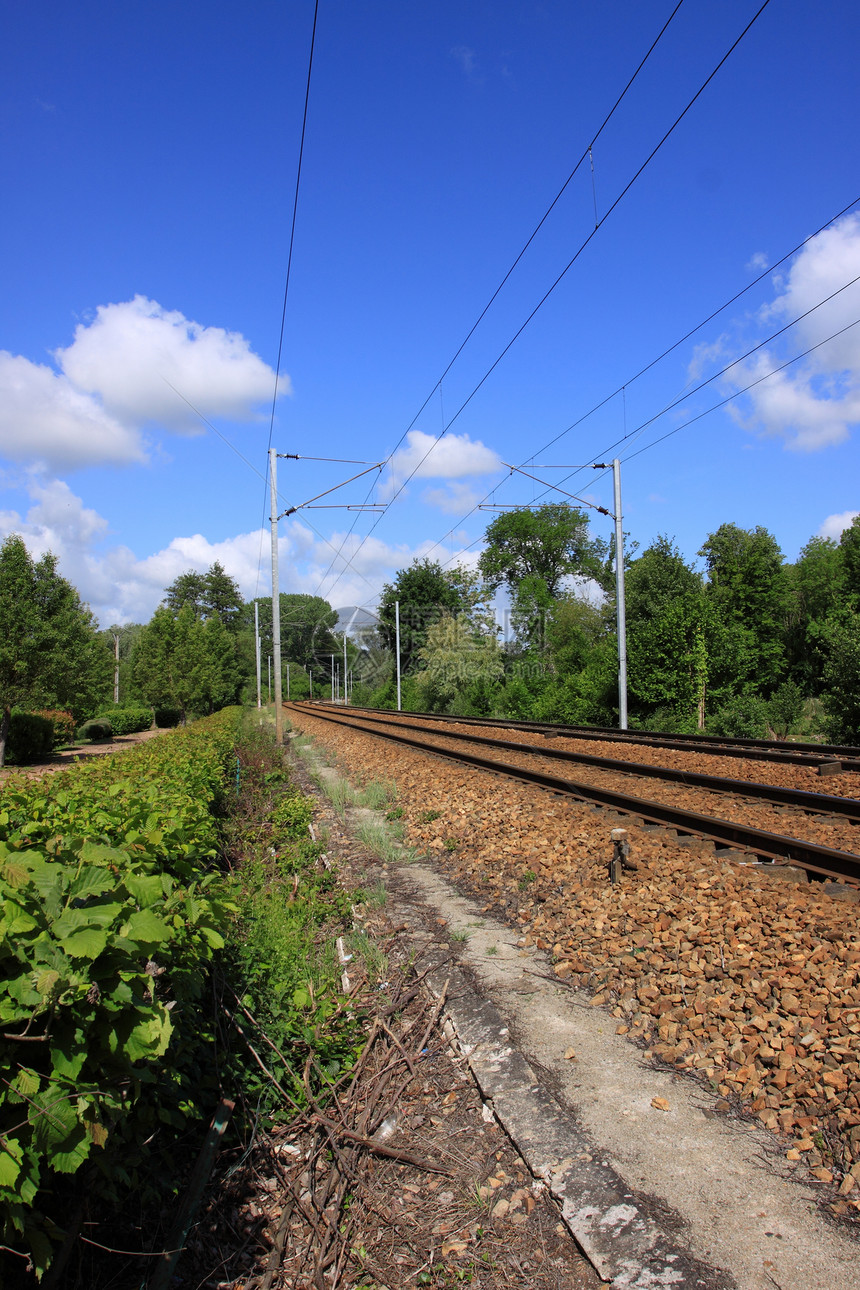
(149, 159)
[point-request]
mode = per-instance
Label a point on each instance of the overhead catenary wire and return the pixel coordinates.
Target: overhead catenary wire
(288, 272)
(621, 389)
(586, 153)
(586, 241)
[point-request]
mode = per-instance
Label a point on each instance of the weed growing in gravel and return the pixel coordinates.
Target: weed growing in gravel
(427, 817)
(377, 794)
(460, 934)
(492, 949)
(526, 880)
(382, 841)
(396, 813)
(451, 844)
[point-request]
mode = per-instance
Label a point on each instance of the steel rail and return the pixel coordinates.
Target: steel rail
(753, 750)
(820, 803)
(825, 861)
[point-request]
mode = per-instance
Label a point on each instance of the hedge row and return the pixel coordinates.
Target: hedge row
(110, 919)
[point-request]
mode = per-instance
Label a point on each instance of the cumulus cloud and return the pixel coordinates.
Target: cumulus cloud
(814, 404)
(835, 525)
(45, 418)
(134, 364)
(121, 587)
(456, 499)
(452, 456)
(132, 353)
(757, 262)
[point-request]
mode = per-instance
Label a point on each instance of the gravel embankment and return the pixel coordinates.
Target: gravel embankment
(749, 981)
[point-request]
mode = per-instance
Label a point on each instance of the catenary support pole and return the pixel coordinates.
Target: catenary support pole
(257, 650)
(332, 678)
(288, 683)
(270, 679)
(276, 597)
(397, 646)
(345, 678)
(116, 667)
(620, 615)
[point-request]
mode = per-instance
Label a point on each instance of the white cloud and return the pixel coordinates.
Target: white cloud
(814, 404)
(453, 456)
(834, 525)
(116, 378)
(757, 262)
(44, 418)
(132, 353)
(120, 587)
(456, 499)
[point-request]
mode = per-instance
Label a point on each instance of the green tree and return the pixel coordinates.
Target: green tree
(307, 635)
(849, 546)
(532, 552)
(842, 680)
(181, 662)
(51, 653)
(749, 586)
(424, 593)
(817, 585)
(456, 658)
(207, 594)
(550, 543)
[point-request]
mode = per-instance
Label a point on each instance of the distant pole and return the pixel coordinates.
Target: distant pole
(276, 597)
(288, 683)
(397, 646)
(310, 684)
(332, 678)
(620, 615)
(257, 649)
(270, 678)
(345, 674)
(116, 667)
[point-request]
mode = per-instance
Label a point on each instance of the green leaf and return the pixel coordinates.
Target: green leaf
(88, 943)
(149, 1038)
(145, 889)
(91, 881)
(146, 928)
(11, 1155)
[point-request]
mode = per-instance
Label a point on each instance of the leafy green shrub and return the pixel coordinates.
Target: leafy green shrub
(167, 718)
(31, 737)
(63, 723)
(109, 923)
(95, 729)
(785, 709)
(744, 717)
(128, 721)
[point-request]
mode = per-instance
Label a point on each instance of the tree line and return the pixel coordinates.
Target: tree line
(746, 645)
(195, 656)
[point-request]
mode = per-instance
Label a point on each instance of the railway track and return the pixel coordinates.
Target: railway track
(818, 860)
(829, 758)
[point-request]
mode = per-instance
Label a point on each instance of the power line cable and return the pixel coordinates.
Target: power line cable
(647, 368)
(585, 154)
(287, 278)
(571, 262)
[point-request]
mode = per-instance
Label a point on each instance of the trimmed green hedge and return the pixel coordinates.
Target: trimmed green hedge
(31, 737)
(127, 721)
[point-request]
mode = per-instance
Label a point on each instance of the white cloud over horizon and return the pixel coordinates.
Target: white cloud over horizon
(120, 587)
(835, 525)
(426, 456)
(115, 379)
(813, 404)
